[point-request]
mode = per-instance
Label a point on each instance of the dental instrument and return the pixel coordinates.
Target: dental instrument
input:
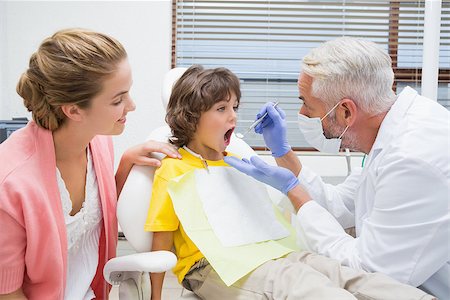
(253, 125)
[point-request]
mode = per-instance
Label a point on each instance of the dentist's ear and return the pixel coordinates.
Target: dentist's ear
(348, 111)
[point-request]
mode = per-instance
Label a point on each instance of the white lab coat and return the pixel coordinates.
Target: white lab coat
(398, 203)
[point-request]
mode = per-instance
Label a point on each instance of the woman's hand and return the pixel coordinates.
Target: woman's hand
(146, 154)
(142, 154)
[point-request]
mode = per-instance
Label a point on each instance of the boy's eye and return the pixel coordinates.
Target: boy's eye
(236, 108)
(222, 108)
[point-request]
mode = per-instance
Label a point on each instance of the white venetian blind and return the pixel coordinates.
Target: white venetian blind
(264, 41)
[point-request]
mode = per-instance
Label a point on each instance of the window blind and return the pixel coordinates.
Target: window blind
(263, 43)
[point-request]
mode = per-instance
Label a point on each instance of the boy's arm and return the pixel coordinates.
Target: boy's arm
(162, 240)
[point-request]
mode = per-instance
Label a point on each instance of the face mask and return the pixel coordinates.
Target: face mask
(313, 132)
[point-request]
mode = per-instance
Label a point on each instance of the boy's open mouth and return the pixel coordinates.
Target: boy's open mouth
(227, 136)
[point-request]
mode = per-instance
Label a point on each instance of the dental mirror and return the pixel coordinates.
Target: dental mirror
(253, 125)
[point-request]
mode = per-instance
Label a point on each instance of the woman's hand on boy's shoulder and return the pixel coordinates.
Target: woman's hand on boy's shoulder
(150, 153)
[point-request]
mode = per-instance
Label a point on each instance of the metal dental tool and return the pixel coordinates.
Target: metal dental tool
(257, 121)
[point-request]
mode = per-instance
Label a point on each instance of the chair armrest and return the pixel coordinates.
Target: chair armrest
(155, 261)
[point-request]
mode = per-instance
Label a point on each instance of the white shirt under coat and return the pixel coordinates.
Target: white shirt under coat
(83, 234)
(398, 203)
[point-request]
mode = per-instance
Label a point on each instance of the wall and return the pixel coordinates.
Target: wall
(144, 28)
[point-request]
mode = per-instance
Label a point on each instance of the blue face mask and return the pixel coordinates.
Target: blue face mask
(313, 132)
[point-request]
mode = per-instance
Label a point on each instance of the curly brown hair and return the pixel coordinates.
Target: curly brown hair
(196, 92)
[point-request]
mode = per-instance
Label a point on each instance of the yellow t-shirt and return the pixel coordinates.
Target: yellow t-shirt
(161, 214)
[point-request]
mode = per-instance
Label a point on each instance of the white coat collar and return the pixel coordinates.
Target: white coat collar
(393, 119)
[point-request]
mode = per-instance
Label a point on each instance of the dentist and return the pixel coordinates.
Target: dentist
(399, 202)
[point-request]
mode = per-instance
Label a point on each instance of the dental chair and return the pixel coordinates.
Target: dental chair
(131, 272)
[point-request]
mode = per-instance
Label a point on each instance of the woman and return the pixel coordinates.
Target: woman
(57, 187)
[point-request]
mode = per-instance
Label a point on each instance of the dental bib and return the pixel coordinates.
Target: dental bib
(238, 207)
(231, 219)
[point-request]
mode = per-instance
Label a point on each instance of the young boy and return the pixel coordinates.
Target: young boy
(202, 116)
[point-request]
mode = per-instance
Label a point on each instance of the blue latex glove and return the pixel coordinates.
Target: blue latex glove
(280, 178)
(273, 129)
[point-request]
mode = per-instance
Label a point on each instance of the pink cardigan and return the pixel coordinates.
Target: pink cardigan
(33, 239)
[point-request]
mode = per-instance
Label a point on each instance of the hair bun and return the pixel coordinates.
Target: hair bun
(36, 101)
(29, 92)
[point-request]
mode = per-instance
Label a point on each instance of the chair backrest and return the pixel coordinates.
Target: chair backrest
(135, 197)
(134, 200)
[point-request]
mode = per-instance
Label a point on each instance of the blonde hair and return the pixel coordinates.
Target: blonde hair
(68, 68)
(351, 68)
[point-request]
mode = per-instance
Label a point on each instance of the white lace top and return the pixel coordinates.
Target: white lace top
(83, 233)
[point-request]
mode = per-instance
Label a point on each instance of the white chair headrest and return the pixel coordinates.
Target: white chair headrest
(169, 81)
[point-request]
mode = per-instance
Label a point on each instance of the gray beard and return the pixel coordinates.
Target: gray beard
(349, 140)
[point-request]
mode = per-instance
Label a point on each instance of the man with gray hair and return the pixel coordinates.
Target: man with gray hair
(399, 202)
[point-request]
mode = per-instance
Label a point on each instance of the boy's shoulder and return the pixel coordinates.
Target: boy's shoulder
(173, 167)
(169, 162)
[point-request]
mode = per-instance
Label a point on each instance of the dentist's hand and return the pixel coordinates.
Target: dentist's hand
(273, 129)
(280, 178)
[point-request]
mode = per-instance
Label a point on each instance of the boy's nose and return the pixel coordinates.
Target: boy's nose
(233, 116)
